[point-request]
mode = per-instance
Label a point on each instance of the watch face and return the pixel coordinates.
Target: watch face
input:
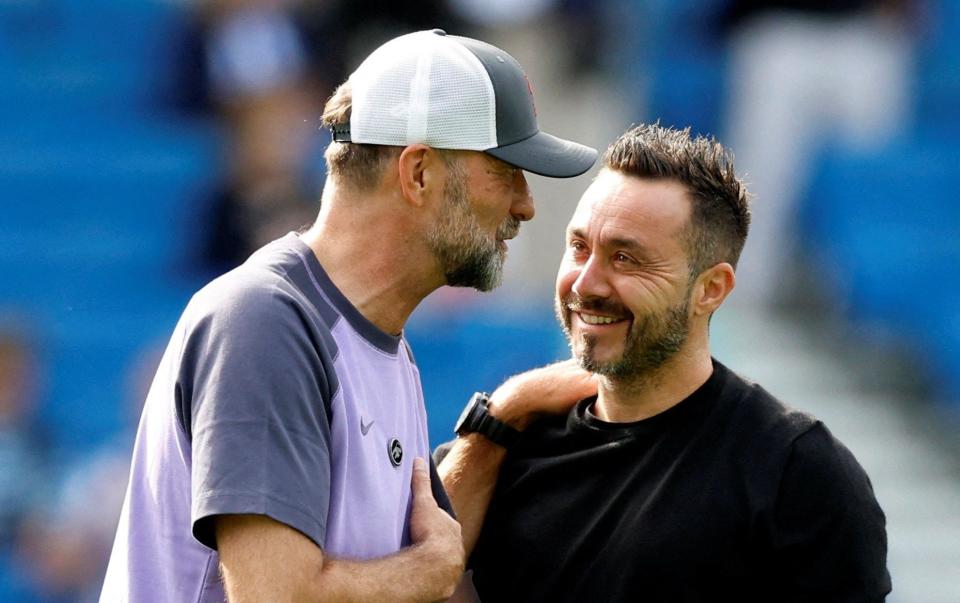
(463, 421)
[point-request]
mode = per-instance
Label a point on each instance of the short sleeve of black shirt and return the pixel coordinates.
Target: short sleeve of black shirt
(828, 532)
(253, 398)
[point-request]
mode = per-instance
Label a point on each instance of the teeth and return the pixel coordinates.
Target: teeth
(598, 320)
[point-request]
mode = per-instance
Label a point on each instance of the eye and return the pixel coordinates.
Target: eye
(623, 258)
(577, 250)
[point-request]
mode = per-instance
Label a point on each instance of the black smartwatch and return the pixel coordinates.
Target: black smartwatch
(476, 418)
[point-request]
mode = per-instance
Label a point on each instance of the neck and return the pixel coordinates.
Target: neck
(643, 396)
(372, 251)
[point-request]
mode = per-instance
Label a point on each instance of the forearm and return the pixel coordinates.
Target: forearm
(470, 469)
(405, 577)
(469, 473)
(263, 560)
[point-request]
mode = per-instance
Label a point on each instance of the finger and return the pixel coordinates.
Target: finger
(422, 491)
(566, 369)
(567, 381)
(573, 369)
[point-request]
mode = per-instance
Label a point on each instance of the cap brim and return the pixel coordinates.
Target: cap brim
(547, 155)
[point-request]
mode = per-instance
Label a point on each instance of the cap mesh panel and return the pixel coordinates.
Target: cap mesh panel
(451, 105)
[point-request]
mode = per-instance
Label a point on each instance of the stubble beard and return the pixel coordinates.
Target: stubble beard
(652, 340)
(468, 257)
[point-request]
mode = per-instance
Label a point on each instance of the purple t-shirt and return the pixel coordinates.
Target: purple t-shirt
(275, 396)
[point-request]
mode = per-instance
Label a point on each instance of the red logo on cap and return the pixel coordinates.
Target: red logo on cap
(530, 88)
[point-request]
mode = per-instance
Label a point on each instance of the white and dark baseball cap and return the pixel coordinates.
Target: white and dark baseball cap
(451, 92)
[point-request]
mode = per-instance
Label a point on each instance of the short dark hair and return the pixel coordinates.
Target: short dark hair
(720, 206)
(358, 165)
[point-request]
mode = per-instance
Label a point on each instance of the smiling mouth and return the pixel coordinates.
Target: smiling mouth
(593, 319)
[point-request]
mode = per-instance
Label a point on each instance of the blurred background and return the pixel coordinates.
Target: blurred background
(147, 146)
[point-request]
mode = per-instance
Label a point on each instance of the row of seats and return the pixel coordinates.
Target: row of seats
(884, 224)
(74, 59)
(105, 199)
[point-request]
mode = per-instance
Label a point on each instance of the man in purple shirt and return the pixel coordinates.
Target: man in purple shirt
(283, 440)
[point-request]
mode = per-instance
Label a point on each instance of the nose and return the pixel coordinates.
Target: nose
(522, 206)
(591, 280)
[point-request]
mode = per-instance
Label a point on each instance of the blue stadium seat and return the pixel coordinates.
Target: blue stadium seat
(58, 54)
(884, 223)
(104, 196)
(943, 354)
(115, 193)
(90, 348)
(938, 75)
(684, 63)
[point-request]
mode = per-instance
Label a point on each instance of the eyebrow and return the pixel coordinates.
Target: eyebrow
(621, 242)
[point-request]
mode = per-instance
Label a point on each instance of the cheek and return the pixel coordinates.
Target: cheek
(495, 196)
(644, 298)
(490, 216)
(566, 277)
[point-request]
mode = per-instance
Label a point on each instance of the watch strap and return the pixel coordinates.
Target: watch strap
(479, 420)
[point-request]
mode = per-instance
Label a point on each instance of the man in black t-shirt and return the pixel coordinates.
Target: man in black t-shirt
(679, 481)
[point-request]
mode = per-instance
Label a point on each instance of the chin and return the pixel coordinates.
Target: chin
(598, 355)
(601, 366)
(593, 362)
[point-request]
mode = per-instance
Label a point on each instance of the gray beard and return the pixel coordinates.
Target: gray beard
(467, 257)
(482, 270)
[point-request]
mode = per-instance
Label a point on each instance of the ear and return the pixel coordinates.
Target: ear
(421, 174)
(712, 287)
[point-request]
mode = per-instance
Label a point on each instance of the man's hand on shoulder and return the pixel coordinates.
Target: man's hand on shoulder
(469, 470)
(551, 389)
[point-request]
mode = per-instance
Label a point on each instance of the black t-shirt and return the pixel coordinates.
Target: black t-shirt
(727, 496)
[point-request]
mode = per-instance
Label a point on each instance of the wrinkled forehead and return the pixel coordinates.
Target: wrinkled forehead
(618, 202)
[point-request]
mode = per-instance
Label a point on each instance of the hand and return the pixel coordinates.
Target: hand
(437, 535)
(552, 389)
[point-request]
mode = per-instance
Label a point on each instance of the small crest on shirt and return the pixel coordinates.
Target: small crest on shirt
(395, 451)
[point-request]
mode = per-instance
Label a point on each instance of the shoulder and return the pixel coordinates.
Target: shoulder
(820, 459)
(257, 305)
(760, 416)
(757, 433)
(243, 290)
(251, 321)
(789, 442)
(272, 280)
